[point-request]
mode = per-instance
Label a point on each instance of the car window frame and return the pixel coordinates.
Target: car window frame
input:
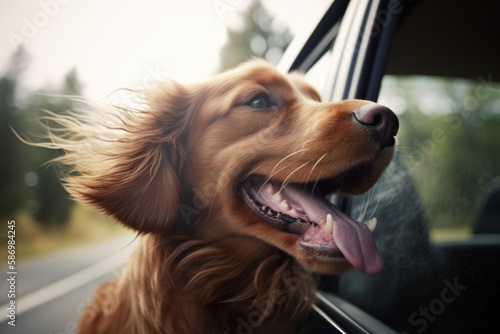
(356, 69)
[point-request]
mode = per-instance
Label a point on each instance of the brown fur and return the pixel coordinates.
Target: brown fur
(206, 263)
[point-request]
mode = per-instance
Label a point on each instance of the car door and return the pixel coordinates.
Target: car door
(438, 205)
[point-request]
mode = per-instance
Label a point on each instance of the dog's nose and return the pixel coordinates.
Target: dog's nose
(380, 121)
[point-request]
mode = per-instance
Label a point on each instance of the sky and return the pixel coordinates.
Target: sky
(124, 43)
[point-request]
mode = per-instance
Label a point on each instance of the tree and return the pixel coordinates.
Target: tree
(452, 155)
(28, 183)
(12, 195)
(256, 34)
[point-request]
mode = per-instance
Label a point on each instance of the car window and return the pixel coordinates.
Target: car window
(438, 203)
(438, 207)
(317, 74)
(449, 142)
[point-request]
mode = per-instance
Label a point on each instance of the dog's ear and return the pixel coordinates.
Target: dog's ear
(130, 166)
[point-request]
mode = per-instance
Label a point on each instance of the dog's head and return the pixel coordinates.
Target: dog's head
(251, 153)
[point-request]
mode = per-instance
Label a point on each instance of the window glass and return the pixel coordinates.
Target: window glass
(317, 74)
(438, 210)
(449, 142)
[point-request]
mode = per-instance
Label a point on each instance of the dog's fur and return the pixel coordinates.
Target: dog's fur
(206, 263)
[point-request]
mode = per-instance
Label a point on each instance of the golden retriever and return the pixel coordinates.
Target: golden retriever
(226, 181)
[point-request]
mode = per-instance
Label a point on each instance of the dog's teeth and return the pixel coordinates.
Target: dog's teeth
(329, 224)
(263, 208)
(268, 188)
(372, 223)
(284, 205)
(277, 197)
(269, 212)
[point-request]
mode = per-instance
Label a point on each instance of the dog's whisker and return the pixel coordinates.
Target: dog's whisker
(269, 179)
(318, 176)
(274, 171)
(305, 143)
(375, 208)
(316, 164)
(314, 185)
(288, 156)
(285, 182)
(366, 203)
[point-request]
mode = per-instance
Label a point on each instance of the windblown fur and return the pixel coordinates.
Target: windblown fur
(170, 167)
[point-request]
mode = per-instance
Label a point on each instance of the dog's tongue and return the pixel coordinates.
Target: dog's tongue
(333, 231)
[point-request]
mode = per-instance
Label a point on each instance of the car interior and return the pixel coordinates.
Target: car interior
(438, 205)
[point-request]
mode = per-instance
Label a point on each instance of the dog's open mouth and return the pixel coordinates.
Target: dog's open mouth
(324, 229)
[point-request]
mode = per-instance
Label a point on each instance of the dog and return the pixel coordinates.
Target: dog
(226, 182)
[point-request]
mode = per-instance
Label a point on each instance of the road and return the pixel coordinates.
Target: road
(52, 292)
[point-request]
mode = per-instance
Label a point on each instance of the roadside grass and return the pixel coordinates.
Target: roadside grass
(459, 233)
(84, 225)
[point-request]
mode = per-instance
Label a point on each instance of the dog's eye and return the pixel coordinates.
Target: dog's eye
(260, 101)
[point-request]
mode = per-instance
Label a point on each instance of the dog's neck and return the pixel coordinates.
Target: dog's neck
(190, 284)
